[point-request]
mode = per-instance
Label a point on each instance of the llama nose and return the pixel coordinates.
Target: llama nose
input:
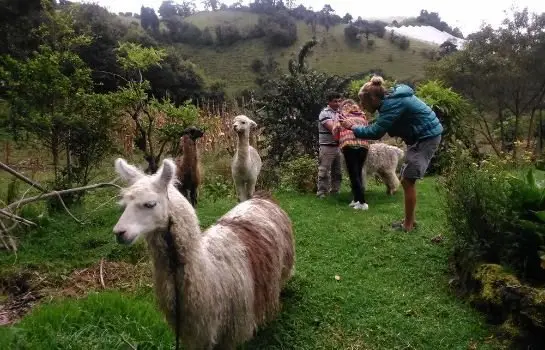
(119, 235)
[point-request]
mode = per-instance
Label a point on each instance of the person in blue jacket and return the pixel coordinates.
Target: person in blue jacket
(401, 114)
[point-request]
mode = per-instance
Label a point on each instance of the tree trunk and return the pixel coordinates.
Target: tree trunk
(540, 131)
(516, 136)
(502, 130)
(530, 128)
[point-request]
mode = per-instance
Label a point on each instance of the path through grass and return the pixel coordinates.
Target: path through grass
(392, 293)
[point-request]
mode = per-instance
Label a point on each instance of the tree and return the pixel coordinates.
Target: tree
(211, 4)
(168, 9)
(291, 105)
(50, 98)
(447, 48)
(347, 18)
(326, 16)
(148, 19)
(498, 71)
(158, 123)
(18, 19)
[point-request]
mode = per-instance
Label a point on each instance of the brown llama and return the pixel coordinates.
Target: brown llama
(188, 166)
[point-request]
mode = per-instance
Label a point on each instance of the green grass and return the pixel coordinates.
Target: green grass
(392, 294)
(332, 54)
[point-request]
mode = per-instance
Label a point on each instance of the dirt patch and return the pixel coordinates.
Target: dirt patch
(17, 298)
(21, 291)
(112, 275)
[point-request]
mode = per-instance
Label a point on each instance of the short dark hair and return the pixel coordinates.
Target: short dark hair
(332, 95)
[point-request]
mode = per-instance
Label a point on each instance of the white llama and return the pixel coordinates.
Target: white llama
(246, 163)
(214, 287)
(382, 160)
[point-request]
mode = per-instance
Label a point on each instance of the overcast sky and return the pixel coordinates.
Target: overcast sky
(465, 14)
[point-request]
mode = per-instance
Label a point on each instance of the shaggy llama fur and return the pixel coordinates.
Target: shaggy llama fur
(229, 276)
(246, 163)
(189, 169)
(382, 160)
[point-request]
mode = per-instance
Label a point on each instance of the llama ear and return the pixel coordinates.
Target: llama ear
(253, 124)
(165, 174)
(127, 172)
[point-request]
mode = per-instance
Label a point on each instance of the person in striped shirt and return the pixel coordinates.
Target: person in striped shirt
(329, 157)
(354, 150)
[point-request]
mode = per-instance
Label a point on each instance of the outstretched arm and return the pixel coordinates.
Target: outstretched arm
(384, 122)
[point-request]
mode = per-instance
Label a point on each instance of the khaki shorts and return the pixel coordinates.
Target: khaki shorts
(418, 157)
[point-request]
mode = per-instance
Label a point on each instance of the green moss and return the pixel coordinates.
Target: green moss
(493, 279)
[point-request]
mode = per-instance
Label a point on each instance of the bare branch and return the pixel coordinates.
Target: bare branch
(60, 193)
(126, 341)
(102, 273)
(68, 211)
(113, 74)
(16, 217)
(22, 177)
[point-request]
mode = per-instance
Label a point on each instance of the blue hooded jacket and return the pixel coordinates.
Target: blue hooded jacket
(403, 115)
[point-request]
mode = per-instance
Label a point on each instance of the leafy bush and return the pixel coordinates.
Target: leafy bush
(217, 187)
(280, 29)
(227, 34)
(455, 114)
(496, 217)
(351, 33)
(299, 174)
(291, 105)
(207, 38)
(257, 65)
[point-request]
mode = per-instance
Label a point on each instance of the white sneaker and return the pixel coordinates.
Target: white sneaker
(352, 204)
(360, 206)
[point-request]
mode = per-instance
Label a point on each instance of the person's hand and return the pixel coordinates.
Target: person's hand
(347, 124)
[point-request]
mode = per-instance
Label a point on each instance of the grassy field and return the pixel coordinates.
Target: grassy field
(332, 54)
(392, 293)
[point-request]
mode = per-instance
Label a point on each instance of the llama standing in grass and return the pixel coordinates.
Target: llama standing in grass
(188, 166)
(226, 280)
(246, 163)
(382, 160)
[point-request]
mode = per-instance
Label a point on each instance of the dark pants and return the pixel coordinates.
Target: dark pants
(354, 159)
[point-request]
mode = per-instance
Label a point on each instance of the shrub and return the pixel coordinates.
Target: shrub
(351, 33)
(455, 114)
(217, 187)
(227, 34)
(496, 218)
(299, 174)
(207, 38)
(257, 65)
(280, 30)
(404, 43)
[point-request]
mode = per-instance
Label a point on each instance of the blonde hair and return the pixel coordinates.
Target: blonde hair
(373, 88)
(349, 106)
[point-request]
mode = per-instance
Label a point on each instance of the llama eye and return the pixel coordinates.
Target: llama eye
(150, 205)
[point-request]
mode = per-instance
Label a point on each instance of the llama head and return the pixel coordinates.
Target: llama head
(242, 124)
(144, 202)
(193, 133)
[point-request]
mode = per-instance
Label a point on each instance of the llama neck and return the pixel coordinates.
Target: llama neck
(189, 154)
(243, 146)
(185, 233)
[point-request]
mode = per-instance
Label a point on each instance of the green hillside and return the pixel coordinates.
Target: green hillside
(333, 54)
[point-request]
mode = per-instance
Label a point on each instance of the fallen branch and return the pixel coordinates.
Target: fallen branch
(22, 177)
(126, 341)
(62, 192)
(16, 218)
(102, 274)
